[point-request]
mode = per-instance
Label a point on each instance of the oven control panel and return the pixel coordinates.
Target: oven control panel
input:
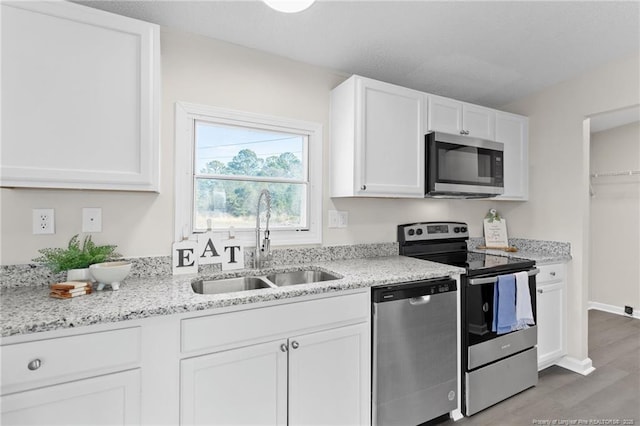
(424, 231)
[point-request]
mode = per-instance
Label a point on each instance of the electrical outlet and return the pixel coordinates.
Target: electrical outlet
(43, 221)
(333, 219)
(92, 219)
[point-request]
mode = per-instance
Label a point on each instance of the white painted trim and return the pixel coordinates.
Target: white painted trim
(584, 367)
(186, 113)
(618, 310)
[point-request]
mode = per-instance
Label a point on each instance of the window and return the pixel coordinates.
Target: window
(225, 158)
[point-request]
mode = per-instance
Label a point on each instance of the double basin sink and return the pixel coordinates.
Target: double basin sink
(273, 280)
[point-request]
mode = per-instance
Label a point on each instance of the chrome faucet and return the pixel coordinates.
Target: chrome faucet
(263, 250)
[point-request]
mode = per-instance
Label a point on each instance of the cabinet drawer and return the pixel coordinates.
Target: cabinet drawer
(45, 362)
(548, 273)
(262, 324)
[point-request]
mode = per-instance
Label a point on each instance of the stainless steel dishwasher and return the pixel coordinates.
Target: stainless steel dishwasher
(414, 352)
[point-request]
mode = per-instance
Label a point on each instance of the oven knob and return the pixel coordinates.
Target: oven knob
(419, 231)
(411, 232)
(463, 229)
(456, 229)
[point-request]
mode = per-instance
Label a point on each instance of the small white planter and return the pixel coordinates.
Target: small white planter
(79, 275)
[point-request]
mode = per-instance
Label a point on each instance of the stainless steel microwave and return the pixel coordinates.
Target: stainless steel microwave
(463, 167)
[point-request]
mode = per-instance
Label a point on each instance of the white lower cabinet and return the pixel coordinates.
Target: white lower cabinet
(299, 362)
(112, 399)
(316, 372)
(328, 382)
(88, 378)
(244, 386)
(551, 314)
(308, 379)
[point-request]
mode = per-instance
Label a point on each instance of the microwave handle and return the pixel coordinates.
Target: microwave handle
(493, 280)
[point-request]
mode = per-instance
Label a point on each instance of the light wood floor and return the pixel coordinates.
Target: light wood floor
(610, 394)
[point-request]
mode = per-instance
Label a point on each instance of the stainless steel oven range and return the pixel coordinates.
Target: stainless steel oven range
(494, 366)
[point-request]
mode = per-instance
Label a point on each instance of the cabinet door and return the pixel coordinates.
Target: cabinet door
(512, 131)
(246, 386)
(478, 122)
(445, 115)
(390, 148)
(113, 399)
(550, 318)
(329, 377)
(80, 100)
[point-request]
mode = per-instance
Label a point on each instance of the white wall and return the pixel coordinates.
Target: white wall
(204, 71)
(559, 171)
(614, 268)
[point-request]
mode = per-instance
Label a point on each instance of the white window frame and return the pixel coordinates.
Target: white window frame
(185, 116)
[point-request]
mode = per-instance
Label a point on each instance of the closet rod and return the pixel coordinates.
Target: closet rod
(623, 173)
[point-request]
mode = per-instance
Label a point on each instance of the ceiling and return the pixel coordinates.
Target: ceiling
(489, 53)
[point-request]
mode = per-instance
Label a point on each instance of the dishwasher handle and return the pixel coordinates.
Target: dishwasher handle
(422, 300)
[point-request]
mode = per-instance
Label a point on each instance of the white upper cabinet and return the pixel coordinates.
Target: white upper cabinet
(80, 98)
(377, 140)
(451, 116)
(513, 131)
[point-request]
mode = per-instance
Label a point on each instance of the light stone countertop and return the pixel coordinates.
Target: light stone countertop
(27, 310)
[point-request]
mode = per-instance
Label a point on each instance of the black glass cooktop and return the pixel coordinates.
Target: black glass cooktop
(477, 263)
(480, 263)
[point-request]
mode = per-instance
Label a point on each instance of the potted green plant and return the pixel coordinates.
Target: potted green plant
(76, 258)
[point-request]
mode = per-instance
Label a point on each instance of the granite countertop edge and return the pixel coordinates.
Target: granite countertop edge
(27, 310)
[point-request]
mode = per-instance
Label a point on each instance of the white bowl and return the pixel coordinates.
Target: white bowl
(111, 273)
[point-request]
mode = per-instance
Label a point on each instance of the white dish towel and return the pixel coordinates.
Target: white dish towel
(524, 313)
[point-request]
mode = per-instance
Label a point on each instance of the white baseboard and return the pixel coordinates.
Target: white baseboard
(618, 310)
(584, 367)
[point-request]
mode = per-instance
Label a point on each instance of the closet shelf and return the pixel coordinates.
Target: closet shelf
(621, 173)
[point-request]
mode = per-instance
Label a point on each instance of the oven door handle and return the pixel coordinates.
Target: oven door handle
(493, 280)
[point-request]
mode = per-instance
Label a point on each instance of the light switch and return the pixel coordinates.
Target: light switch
(92, 219)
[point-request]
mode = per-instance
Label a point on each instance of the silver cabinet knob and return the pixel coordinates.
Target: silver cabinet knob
(283, 347)
(552, 273)
(295, 345)
(540, 291)
(34, 365)
(462, 132)
(363, 187)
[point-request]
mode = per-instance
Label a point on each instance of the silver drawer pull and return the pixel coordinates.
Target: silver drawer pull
(34, 365)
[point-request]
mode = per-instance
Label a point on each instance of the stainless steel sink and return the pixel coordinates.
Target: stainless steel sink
(300, 277)
(278, 279)
(229, 285)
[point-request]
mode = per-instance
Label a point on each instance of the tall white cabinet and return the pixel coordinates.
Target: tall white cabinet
(80, 98)
(551, 314)
(377, 140)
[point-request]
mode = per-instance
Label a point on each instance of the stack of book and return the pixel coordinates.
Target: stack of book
(70, 289)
